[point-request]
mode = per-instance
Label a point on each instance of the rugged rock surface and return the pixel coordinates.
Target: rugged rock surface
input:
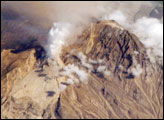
(121, 82)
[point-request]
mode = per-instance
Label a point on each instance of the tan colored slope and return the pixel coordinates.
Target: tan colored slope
(14, 67)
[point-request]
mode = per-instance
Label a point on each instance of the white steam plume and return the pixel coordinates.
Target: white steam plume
(117, 16)
(57, 38)
(150, 32)
(70, 69)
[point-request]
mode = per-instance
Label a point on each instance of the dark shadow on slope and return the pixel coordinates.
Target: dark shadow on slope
(50, 93)
(130, 76)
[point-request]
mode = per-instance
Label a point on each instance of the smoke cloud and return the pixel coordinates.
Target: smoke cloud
(148, 30)
(76, 12)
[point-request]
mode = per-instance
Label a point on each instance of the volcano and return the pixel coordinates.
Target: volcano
(105, 74)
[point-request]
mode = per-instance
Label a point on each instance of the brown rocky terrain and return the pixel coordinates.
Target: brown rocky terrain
(121, 81)
(121, 92)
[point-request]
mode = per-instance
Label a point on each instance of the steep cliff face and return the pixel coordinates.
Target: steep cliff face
(106, 74)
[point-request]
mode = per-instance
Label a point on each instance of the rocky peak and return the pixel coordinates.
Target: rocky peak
(111, 43)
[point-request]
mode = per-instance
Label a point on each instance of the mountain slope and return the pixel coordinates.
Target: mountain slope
(106, 74)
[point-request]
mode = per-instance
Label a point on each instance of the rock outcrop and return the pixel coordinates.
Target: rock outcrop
(14, 67)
